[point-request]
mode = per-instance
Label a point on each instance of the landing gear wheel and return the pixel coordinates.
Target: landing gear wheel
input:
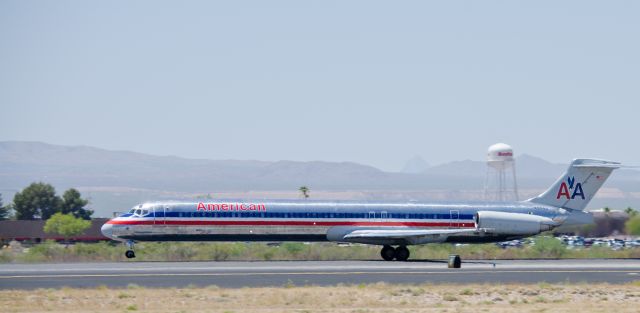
(402, 253)
(454, 261)
(388, 253)
(129, 254)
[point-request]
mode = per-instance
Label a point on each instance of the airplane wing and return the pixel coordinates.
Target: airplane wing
(404, 233)
(398, 236)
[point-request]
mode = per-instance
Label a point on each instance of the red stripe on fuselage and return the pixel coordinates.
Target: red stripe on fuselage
(289, 223)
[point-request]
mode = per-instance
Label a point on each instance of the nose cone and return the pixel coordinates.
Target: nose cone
(107, 230)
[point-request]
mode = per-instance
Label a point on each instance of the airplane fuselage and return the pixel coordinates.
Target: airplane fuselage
(307, 220)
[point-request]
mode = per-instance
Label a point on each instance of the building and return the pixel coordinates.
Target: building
(33, 231)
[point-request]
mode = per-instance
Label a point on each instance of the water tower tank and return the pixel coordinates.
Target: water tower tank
(500, 182)
(500, 155)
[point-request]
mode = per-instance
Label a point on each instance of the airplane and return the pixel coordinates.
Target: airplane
(394, 226)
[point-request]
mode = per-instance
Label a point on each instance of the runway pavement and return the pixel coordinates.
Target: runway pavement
(279, 273)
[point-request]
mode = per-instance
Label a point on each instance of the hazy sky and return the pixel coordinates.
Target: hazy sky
(363, 81)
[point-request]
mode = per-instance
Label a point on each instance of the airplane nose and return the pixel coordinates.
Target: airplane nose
(106, 230)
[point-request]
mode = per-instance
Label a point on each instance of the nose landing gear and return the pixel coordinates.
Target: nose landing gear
(129, 254)
(389, 253)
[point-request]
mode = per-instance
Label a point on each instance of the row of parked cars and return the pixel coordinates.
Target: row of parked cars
(574, 242)
(613, 243)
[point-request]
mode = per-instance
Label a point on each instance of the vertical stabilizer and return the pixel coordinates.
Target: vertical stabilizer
(577, 186)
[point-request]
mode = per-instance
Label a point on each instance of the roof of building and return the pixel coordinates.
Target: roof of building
(34, 229)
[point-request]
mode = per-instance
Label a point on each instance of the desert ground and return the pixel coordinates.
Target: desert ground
(542, 297)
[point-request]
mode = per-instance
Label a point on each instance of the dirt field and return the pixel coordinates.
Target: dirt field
(353, 299)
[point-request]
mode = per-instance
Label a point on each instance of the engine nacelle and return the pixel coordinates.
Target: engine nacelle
(505, 223)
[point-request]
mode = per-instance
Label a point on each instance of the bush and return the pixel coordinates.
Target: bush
(549, 247)
(293, 248)
(5, 257)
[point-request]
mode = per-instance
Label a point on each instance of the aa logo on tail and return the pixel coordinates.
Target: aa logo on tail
(569, 191)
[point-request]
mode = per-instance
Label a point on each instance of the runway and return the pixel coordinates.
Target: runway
(300, 273)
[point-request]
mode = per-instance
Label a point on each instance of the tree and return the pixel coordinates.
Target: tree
(38, 200)
(632, 226)
(305, 191)
(631, 212)
(66, 225)
(72, 203)
(4, 210)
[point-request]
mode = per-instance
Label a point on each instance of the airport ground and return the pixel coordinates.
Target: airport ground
(361, 298)
(600, 285)
(233, 274)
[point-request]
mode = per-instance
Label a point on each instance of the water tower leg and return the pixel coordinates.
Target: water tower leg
(515, 182)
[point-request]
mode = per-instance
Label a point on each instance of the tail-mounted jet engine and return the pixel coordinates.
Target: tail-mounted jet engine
(505, 223)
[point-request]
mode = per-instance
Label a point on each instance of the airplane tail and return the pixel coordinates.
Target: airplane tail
(577, 186)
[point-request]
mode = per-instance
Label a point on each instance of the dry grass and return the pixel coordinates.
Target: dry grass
(352, 299)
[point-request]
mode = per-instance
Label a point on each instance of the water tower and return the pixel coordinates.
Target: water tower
(500, 182)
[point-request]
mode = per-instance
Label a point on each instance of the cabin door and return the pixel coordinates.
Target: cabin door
(455, 219)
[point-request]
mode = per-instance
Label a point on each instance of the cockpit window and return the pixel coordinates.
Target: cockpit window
(140, 211)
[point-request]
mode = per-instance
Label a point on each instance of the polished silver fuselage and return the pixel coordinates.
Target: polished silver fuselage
(305, 220)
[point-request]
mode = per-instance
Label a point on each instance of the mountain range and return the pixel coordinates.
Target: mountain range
(115, 178)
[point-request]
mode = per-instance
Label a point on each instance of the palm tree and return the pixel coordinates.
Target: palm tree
(630, 211)
(305, 191)
(607, 219)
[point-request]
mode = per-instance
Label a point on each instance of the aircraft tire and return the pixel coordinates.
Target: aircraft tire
(454, 261)
(402, 253)
(388, 253)
(130, 254)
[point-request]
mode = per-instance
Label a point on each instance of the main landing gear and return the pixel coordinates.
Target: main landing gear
(401, 253)
(129, 254)
(389, 253)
